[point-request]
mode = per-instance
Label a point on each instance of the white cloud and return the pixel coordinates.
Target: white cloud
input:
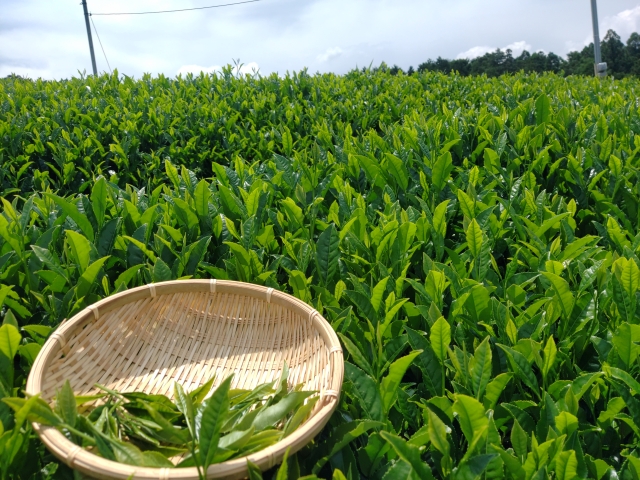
(475, 52)
(624, 23)
(516, 49)
(329, 54)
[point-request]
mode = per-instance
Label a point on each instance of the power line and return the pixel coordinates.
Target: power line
(100, 42)
(179, 10)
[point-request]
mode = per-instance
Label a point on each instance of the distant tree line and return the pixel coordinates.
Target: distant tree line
(622, 60)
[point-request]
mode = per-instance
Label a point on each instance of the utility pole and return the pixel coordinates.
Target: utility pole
(86, 20)
(600, 67)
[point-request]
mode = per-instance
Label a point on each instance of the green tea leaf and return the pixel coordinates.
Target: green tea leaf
(99, 200)
(470, 415)
(271, 415)
(567, 465)
(438, 433)
(213, 417)
(480, 368)
(563, 292)
(391, 382)
(440, 338)
(519, 439)
(185, 405)
(357, 356)
(409, 454)
(474, 238)
(328, 253)
(10, 339)
(366, 391)
(66, 404)
(72, 211)
(543, 109)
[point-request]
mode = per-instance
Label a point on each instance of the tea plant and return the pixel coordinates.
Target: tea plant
(473, 241)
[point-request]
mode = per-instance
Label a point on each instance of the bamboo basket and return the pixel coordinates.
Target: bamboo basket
(145, 338)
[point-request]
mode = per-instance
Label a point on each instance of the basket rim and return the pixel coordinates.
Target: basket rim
(88, 463)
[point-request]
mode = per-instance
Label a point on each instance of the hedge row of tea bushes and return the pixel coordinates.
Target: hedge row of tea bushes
(474, 241)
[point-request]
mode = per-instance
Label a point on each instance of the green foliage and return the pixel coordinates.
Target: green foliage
(473, 241)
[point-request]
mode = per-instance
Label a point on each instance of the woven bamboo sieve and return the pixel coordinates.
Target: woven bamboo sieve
(189, 331)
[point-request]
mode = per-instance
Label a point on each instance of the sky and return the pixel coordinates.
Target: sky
(48, 39)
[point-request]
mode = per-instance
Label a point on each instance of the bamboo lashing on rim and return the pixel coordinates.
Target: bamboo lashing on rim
(145, 338)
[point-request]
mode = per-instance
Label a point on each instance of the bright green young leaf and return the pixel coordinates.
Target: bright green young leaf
(441, 170)
(549, 355)
(391, 382)
(471, 415)
(480, 368)
(9, 340)
(474, 238)
(398, 170)
(213, 417)
(99, 200)
(563, 292)
(80, 248)
(626, 340)
(378, 292)
(66, 404)
(438, 433)
(567, 465)
(440, 338)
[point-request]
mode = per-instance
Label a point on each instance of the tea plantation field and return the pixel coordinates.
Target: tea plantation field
(474, 241)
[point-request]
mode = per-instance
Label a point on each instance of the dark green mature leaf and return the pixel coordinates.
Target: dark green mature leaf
(356, 355)
(328, 253)
(522, 368)
(340, 438)
(428, 362)
(363, 305)
(366, 391)
(543, 109)
(474, 467)
(409, 454)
